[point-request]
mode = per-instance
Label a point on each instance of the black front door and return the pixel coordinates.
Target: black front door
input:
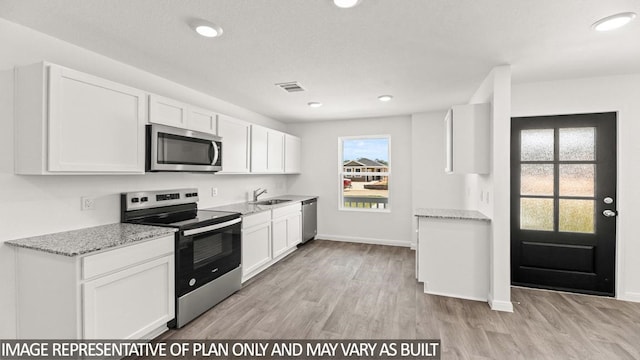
(563, 201)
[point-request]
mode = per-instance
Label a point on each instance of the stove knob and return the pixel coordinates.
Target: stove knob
(135, 200)
(144, 199)
(192, 282)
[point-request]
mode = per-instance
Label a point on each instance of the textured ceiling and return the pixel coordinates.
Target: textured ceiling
(429, 54)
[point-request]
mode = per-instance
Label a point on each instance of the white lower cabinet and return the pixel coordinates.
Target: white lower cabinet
(125, 293)
(269, 236)
(287, 229)
(256, 243)
(453, 257)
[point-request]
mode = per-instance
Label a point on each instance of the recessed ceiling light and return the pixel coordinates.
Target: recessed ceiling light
(385, 97)
(345, 4)
(207, 29)
(613, 22)
(314, 104)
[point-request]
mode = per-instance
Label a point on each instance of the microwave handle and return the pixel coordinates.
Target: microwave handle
(215, 153)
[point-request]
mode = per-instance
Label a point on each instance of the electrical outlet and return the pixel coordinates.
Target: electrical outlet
(214, 191)
(87, 203)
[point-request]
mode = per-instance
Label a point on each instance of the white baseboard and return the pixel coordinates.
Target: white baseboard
(452, 295)
(630, 296)
(364, 240)
(497, 305)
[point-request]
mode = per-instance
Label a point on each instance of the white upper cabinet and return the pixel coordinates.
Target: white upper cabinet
(69, 122)
(292, 148)
(235, 144)
(275, 152)
(202, 120)
(267, 150)
(259, 149)
(167, 111)
(175, 113)
(467, 139)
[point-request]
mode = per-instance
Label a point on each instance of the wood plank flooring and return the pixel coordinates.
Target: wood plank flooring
(335, 290)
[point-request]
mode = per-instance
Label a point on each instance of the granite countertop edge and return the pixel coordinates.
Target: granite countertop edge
(246, 208)
(453, 214)
(93, 239)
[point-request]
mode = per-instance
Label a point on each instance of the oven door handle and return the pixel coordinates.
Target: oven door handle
(211, 227)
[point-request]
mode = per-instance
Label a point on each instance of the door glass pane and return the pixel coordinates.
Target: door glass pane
(576, 216)
(577, 179)
(577, 144)
(536, 145)
(536, 179)
(536, 214)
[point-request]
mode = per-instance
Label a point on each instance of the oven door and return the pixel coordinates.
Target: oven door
(174, 149)
(204, 254)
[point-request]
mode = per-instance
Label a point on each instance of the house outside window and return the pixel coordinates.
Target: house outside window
(364, 173)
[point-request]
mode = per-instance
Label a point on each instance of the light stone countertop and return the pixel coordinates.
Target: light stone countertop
(84, 241)
(451, 214)
(247, 208)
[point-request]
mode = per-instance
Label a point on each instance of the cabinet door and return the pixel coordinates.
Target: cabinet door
(259, 149)
(235, 144)
(256, 248)
(167, 111)
(275, 151)
(279, 239)
(294, 230)
(95, 125)
(202, 120)
(131, 303)
(292, 148)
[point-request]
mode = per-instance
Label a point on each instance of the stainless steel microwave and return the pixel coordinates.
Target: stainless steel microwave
(175, 149)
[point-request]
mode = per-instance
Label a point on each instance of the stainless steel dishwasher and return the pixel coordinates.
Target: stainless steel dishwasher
(309, 219)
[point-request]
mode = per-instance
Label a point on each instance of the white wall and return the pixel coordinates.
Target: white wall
(320, 177)
(431, 187)
(34, 205)
(603, 94)
(494, 187)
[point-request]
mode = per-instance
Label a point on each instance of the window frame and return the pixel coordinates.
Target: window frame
(342, 172)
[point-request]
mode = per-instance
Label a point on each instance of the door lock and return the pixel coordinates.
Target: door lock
(609, 213)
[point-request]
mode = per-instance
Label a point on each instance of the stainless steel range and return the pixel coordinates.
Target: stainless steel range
(208, 246)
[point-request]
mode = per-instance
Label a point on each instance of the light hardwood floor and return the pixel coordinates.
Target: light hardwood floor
(334, 290)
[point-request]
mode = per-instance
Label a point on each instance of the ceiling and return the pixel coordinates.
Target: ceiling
(428, 54)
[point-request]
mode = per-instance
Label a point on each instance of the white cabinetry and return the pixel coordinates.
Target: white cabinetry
(236, 136)
(267, 150)
(269, 236)
(453, 257)
(286, 228)
(467, 139)
(292, 148)
(256, 243)
(124, 293)
(69, 122)
(202, 120)
(167, 111)
(175, 113)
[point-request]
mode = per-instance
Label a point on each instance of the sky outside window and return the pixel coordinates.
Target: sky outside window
(372, 148)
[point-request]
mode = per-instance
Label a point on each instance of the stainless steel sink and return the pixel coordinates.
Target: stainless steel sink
(269, 202)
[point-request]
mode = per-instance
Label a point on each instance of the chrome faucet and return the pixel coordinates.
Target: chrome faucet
(257, 192)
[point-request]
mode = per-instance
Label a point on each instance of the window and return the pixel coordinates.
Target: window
(364, 172)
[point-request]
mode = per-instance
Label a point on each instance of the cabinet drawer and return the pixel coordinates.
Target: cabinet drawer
(256, 219)
(94, 265)
(286, 210)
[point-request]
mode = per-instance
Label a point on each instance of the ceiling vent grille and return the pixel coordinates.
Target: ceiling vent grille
(292, 86)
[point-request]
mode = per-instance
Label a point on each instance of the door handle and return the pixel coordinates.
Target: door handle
(609, 213)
